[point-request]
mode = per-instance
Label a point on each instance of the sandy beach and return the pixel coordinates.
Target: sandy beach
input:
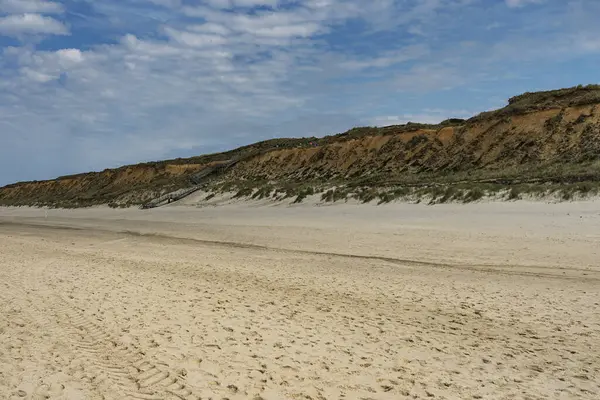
(247, 301)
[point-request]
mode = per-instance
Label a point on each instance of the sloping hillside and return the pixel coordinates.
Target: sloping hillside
(495, 145)
(538, 138)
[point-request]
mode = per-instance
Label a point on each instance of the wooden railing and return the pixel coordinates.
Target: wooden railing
(198, 180)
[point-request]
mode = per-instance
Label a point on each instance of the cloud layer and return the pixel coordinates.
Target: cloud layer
(88, 85)
(31, 24)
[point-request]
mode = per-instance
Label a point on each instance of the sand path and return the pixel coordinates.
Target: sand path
(339, 303)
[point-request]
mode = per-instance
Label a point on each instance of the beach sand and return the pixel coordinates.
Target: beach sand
(243, 301)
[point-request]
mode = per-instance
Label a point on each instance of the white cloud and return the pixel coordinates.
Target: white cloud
(43, 67)
(36, 76)
(30, 6)
(167, 3)
(388, 59)
(31, 24)
(313, 16)
(195, 39)
(522, 3)
(69, 56)
(228, 4)
(220, 4)
(591, 45)
(283, 31)
(430, 76)
(210, 27)
(415, 30)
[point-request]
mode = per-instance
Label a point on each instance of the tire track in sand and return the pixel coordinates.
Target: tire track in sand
(118, 371)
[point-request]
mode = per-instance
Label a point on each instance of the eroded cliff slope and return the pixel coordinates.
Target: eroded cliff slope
(545, 137)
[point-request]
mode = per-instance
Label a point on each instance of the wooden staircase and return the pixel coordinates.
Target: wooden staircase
(198, 180)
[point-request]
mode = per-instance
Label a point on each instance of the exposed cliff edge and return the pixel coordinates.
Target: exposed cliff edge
(539, 143)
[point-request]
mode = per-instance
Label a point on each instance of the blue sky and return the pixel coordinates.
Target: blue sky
(87, 85)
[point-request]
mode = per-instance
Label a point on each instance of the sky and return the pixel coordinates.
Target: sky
(87, 85)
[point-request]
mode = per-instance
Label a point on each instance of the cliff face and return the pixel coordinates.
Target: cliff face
(494, 144)
(128, 185)
(548, 135)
